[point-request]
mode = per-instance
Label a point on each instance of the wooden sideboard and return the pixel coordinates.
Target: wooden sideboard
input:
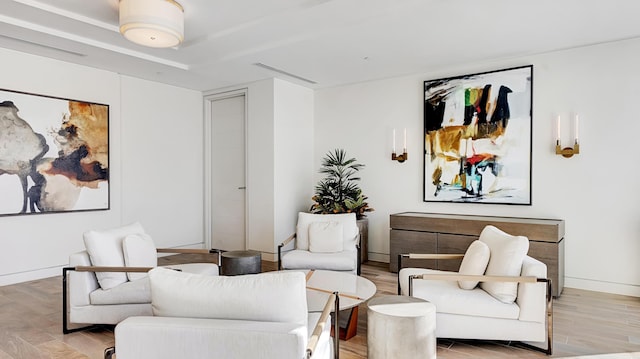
(414, 232)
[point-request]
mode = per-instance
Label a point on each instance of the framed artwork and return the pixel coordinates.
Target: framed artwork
(478, 137)
(54, 154)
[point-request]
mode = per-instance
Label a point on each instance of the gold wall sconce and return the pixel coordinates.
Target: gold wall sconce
(403, 157)
(568, 152)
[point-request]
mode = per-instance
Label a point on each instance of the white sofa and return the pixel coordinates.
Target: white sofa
(251, 316)
(92, 294)
(512, 302)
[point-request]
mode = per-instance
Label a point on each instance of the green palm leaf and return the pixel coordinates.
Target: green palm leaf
(339, 192)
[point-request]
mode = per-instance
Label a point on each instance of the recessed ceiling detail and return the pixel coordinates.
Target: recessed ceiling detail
(271, 68)
(316, 43)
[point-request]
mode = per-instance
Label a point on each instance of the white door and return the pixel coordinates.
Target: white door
(227, 155)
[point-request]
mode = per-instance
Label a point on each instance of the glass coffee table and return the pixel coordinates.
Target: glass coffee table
(352, 290)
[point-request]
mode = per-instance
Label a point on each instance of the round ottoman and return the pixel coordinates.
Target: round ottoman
(401, 327)
(240, 262)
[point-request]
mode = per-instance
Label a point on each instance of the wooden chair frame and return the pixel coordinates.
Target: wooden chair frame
(483, 278)
(330, 308)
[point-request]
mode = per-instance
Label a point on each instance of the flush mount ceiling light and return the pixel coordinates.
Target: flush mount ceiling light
(153, 23)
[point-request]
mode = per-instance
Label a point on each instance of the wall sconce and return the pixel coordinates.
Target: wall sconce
(403, 157)
(568, 152)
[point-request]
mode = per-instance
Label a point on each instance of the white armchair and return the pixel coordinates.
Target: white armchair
(108, 282)
(499, 293)
(322, 241)
(251, 316)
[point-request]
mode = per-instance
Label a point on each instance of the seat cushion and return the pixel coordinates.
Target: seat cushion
(507, 254)
(105, 249)
(299, 259)
(474, 262)
(139, 251)
(270, 297)
(325, 237)
(348, 221)
(139, 290)
(133, 292)
(168, 337)
(449, 298)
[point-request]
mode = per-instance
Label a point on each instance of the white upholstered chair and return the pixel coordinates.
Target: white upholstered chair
(322, 241)
(251, 316)
(499, 293)
(107, 282)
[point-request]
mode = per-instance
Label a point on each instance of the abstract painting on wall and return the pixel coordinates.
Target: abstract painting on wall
(478, 137)
(54, 154)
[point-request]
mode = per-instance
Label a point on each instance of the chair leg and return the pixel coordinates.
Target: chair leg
(108, 353)
(359, 260)
(336, 327)
(399, 268)
(549, 349)
(65, 305)
(280, 257)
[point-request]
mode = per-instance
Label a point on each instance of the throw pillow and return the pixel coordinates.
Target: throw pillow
(105, 249)
(474, 262)
(349, 228)
(325, 237)
(268, 297)
(507, 254)
(139, 251)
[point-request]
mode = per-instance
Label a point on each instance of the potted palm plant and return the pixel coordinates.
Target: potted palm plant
(339, 192)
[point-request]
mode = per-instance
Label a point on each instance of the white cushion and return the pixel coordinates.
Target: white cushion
(139, 251)
(507, 253)
(474, 262)
(105, 249)
(166, 337)
(269, 297)
(349, 228)
(132, 292)
(325, 237)
(139, 291)
(447, 296)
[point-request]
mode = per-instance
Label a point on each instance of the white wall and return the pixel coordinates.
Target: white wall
(594, 192)
(162, 165)
(293, 185)
(279, 159)
(260, 178)
(37, 246)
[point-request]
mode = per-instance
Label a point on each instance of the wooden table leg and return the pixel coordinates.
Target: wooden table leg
(351, 328)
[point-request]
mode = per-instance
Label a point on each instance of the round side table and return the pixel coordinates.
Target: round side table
(401, 327)
(240, 262)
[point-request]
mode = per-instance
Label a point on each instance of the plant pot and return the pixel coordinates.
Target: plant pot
(363, 226)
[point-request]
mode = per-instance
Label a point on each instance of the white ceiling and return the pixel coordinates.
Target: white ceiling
(329, 42)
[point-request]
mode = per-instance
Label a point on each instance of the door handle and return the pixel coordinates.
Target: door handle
(243, 187)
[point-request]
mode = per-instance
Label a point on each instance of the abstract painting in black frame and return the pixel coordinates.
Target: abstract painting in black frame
(478, 137)
(54, 154)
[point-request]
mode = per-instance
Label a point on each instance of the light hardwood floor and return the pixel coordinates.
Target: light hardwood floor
(585, 323)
